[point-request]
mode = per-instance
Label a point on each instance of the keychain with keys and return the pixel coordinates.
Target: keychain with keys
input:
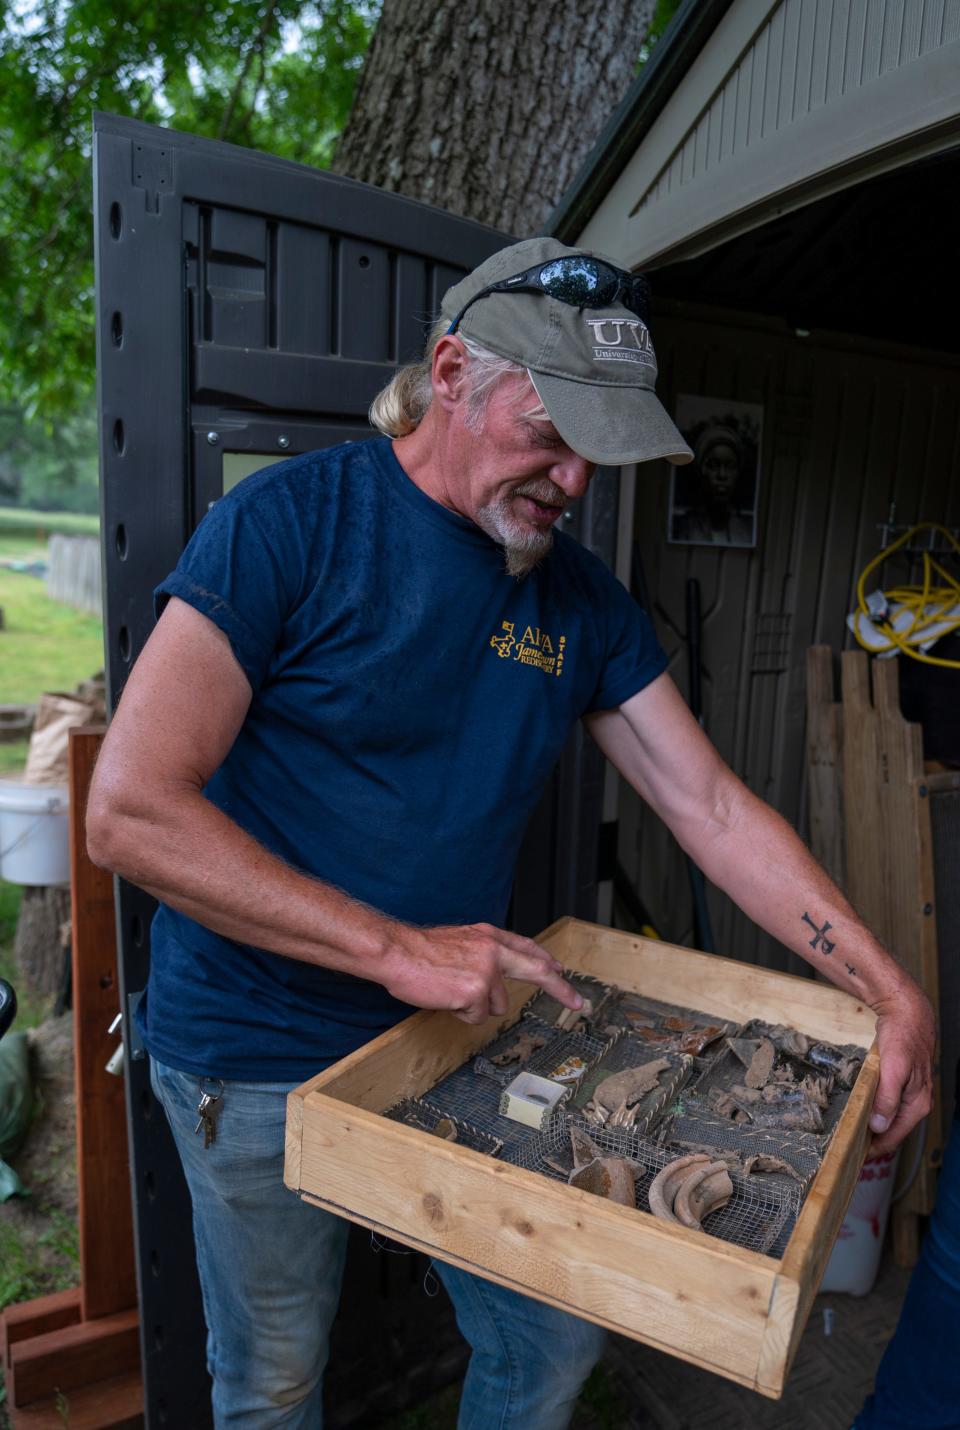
(207, 1109)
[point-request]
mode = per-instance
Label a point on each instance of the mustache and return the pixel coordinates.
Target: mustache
(544, 490)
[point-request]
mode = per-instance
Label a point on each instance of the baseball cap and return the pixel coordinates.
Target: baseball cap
(594, 369)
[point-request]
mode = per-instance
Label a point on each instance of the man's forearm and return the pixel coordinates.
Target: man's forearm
(186, 852)
(765, 867)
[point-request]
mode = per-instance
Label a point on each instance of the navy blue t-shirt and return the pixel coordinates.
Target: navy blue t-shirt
(409, 701)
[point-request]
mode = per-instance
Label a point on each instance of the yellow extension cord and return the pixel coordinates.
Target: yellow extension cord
(929, 603)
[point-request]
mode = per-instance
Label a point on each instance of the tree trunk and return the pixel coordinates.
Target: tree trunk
(39, 947)
(487, 108)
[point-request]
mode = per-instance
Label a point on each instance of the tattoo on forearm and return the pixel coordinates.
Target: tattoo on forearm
(820, 935)
(851, 970)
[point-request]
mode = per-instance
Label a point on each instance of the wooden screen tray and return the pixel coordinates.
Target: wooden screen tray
(732, 1311)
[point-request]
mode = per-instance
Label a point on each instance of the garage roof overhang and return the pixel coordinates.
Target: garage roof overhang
(747, 111)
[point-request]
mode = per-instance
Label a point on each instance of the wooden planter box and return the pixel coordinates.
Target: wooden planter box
(730, 1310)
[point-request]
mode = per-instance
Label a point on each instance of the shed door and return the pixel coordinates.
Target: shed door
(248, 309)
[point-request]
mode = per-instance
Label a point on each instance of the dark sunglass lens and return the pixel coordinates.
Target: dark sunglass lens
(638, 297)
(572, 280)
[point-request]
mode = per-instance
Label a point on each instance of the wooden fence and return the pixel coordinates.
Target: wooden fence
(73, 574)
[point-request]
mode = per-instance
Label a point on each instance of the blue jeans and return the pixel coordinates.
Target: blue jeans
(270, 1271)
(918, 1382)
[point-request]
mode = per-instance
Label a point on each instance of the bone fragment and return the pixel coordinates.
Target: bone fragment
(664, 1186)
(447, 1129)
(519, 1052)
(567, 1018)
(802, 1117)
(789, 1040)
(816, 1089)
(624, 1116)
(761, 1064)
(705, 1190)
(721, 1102)
(630, 1085)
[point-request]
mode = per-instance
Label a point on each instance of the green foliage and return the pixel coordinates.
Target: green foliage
(9, 909)
(36, 1267)
(13, 757)
(49, 466)
(663, 13)
(275, 75)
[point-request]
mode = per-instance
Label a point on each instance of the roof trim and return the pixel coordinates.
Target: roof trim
(670, 59)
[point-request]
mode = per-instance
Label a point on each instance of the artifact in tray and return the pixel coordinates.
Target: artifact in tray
(754, 1114)
(534, 1046)
(630, 1085)
(665, 1026)
(776, 1077)
(622, 1165)
(592, 1017)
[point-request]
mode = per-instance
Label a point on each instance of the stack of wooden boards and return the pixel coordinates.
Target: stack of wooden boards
(870, 801)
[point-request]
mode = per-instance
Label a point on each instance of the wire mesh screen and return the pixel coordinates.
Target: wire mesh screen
(625, 1053)
(758, 1216)
(417, 1112)
(547, 1008)
(695, 1130)
(472, 1091)
(771, 1166)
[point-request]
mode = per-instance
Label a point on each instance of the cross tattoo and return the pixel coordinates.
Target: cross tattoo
(820, 935)
(851, 970)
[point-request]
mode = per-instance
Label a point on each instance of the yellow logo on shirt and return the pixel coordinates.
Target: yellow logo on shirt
(535, 647)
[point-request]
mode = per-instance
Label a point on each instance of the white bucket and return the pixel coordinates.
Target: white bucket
(34, 833)
(855, 1259)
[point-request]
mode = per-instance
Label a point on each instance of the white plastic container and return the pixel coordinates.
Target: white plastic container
(855, 1259)
(34, 833)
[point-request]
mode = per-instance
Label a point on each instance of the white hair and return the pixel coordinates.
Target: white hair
(401, 406)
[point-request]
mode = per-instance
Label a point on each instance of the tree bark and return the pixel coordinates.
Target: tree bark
(38, 948)
(487, 108)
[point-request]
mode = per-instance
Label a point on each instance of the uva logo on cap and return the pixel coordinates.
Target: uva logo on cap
(621, 340)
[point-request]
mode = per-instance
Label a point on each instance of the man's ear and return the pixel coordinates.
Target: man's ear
(448, 372)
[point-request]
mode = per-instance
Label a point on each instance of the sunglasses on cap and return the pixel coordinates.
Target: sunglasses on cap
(578, 280)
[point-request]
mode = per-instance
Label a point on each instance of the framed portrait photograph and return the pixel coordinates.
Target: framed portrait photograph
(713, 500)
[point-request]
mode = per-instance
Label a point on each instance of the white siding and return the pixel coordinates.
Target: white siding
(781, 97)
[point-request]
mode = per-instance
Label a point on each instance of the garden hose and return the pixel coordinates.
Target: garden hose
(909, 618)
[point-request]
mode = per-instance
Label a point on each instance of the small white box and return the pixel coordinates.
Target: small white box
(532, 1100)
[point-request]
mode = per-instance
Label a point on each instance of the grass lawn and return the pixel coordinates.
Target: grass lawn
(43, 645)
(13, 755)
(41, 524)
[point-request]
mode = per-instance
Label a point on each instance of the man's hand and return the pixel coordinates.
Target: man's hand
(906, 1040)
(462, 969)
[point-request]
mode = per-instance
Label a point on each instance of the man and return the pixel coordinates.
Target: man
(324, 762)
